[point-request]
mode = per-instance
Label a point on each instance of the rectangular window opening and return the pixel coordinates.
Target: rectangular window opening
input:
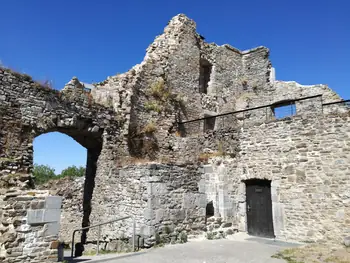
(209, 123)
(283, 110)
(204, 76)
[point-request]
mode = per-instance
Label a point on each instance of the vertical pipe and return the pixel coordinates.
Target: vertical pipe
(98, 240)
(72, 253)
(243, 117)
(133, 233)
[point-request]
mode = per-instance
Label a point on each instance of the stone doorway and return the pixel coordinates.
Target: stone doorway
(259, 208)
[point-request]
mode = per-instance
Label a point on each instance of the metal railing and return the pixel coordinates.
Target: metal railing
(99, 232)
(241, 117)
(336, 107)
(345, 102)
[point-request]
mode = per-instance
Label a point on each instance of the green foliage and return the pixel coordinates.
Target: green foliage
(163, 98)
(150, 127)
(287, 258)
(210, 235)
(183, 237)
(73, 171)
(43, 173)
(26, 77)
(157, 238)
(159, 91)
(167, 230)
(221, 148)
(7, 159)
(153, 106)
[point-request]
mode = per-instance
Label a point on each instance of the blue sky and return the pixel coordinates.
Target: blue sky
(309, 42)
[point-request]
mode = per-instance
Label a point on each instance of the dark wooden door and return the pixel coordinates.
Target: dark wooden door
(259, 208)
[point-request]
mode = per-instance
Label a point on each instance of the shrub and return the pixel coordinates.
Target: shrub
(183, 237)
(149, 127)
(26, 77)
(159, 91)
(157, 239)
(72, 171)
(221, 150)
(164, 98)
(210, 235)
(43, 173)
(153, 106)
(167, 230)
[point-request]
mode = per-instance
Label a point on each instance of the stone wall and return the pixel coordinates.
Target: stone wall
(306, 160)
(164, 199)
(238, 80)
(29, 109)
(29, 226)
(71, 191)
(174, 60)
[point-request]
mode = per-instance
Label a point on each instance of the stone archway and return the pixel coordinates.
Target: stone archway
(28, 109)
(91, 138)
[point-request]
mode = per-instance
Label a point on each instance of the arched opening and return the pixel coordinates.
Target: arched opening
(54, 152)
(64, 147)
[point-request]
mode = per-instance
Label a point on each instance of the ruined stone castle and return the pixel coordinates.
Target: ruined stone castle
(197, 138)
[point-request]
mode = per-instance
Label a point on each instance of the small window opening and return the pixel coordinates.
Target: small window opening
(209, 210)
(285, 109)
(209, 123)
(204, 76)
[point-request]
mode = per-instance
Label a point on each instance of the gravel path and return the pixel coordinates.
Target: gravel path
(234, 250)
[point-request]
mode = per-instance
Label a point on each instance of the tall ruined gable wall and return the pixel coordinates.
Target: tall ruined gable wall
(174, 58)
(238, 80)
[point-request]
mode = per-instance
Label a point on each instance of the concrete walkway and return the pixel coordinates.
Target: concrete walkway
(237, 249)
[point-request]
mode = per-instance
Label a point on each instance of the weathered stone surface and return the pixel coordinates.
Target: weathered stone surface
(142, 163)
(26, 240)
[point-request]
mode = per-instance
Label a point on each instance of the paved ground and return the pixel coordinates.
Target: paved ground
(235, 250)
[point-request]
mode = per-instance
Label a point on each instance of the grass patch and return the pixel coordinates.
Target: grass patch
(153, 106)
(315, 253)
(286, 256)
(164, 99)
(150, 127)
(204, 157)
(7, 160)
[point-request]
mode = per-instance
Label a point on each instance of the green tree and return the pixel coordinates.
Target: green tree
(43, 173)
(73, 171)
